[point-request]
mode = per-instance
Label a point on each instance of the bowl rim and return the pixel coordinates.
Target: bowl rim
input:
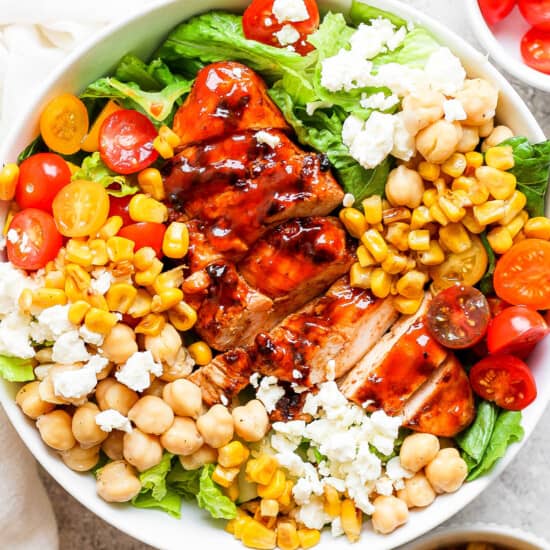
(448, 38)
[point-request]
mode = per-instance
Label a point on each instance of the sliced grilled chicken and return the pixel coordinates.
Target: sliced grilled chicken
(396, 366)
(227, 97)
(201, 253)
(290, 406)
(444, 405)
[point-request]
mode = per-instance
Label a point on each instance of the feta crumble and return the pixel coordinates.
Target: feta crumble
(380, 36)
(454, 110)
(348, 200)
(75, 384)
(312, 106)
(111, 419)
(15, 336)
(345, 71)
(378, 101)
(101, 282)
(254, 380)
(290, 10)
(269, 392)
(445, 72)
(51, 323)
(287, 35)
(136, 372)
(90, 337)
(69, 348)
(12, 282)
(268, 139)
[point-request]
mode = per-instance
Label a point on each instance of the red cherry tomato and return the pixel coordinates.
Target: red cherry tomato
(535, 50)
(126, 141)
(496, 10)
(145, 234)
(458, 316)
(40, 178)
(536, 12)
(516, 331)
(504, 379)
(118, 206)
(496, 305)
(261, 24)
(33, 239)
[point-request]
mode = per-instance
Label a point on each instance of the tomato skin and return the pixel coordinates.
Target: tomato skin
(504, 379)
(126, 141)
(41, 177)
(145, 234)
(536, 12)
(535, 50)
(119, 207)
(38, 240)
(496, 10)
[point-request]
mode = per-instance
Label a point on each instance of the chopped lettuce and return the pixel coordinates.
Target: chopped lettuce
(211, 498)
(14, 369)
(170, 503)
(486, 283)
(363, 13)
(184, 482)
(132, 69)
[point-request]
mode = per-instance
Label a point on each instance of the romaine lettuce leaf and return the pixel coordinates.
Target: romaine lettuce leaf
(184, 482)
(170, 503)
(154, 479)
(211, 498)
(14, 369)
(486, 283)
(361, 12)
(132, 69)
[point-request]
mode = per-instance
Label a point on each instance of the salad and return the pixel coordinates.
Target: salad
(289, 269)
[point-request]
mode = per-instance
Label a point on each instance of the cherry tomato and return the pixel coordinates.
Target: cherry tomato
(81, 208)
(33, 239)
(261, 24)
(516, 331)
(536, 12)
(40, 179)
(522, 276)
(458, 317)
(64, 124)
(145, 234)
(496, 10)
(496, 305)
(535, 50)
(504, 379)
(126, 141)
(119, 207)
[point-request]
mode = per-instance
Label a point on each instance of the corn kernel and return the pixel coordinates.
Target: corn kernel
(110, 228)
(168, 135)
(501, 185)
(100, 321)
(474, 159)
(9, 175)
(372, 206)
(455, 238)
(380, 283)
(440, 185)
(48, 297)
(166, 300)
(353, 221)
(285, 500)
(261, 470)
(72, 291)
(98, 301)
(147, 277)
(429, 171)
(429, 197)
(407, 306)
(476, 191)
(332, 501)
(438, 215)
(120, 249)
(500, 240)
(517, 224)
(374, 242)
(420, 217)
(77, 312)
(183, 316)
(150, 182)
(201, 353)
(151, 325)
(287, 536)
(232, 492)
(489, 212)
(471, 224)
(398, 235)
(98, 248)
(25, 300)
(538, 228)
(141, 305)
(233, 454)
(351, 519)
(145, 209)
(269, 508)
(309, 538)
(411, 285)
(78, 252)
(360, 277)
(419, 239)
(453, 212)
(455, 165)
(275, 488)
(364, 256)
(500, 157)
(55, 279)
(256, 535)
(433, 256)
(144, 258)
(175, 243)
(394, 263)
(512, 207)
(224, 476)
(168, 280)
(239, 524)
(79, 276)
(396, 214)
(163, 148)
(120, 297)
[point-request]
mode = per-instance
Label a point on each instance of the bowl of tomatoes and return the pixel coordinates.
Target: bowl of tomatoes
(516, 34)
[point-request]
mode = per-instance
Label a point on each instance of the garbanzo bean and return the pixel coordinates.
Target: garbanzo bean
(181, 368)
(120, 344)
(496, 137)
(156, 388)
(80, 459)
(469, 140)
(111, 394)
(418, 450)
(151, 415)
(205, 455)
(184, 397)
(55, 430)
(84, 426)
(165, 346)
(216, 426)
(421, 109)
(479, 99)
(404, 187)
(141, 450)
(117, 482)
(251, 421)
(28, 398)
(418, 492)
(447, 471)
(439, 141)
(182, 438)
(112, 446)
(389, 513)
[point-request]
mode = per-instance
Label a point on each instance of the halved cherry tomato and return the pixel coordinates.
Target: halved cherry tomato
(64, 124)
(126, 141)
(33, 239)
(516, 330)
(119, 207)
(496, 10)
(40, 179)
(458, 317)
(522, 276)
(145, 234)
(536, 12)
(496, 305)
(81, 208)
(535, 50)
(504, 379)
(261, 24)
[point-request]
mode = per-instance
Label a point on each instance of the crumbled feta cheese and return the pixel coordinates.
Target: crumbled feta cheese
(101, 282)
(348, 201)
(15, 336)
(287, 35)
(370, 40)
(395, 471)
(110, 420)
(396, 40)
(296, 374)
(75, 384)
(345, 71)
(404, 146)
(269, 393)
(90, 337)
(290, 10)
(254, 380)
(400, 79)
(312, 106)
(312, 514)
(12, 282)
(136, 372)
(269, 139)
(379, 101)
(384, 486)
(454, 110)
(51, 323)
(445, 72)
(70, 348)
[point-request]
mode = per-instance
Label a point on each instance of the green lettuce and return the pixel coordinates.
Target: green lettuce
(170, 503)
(211, 498)
(185, 482)
(14, 369)
(132, 69)
(486, 283)
(363, 13)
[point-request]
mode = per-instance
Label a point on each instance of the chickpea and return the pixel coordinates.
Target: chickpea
(439, 141)
(84, 426)
(80, 459)
(47, 391)
(151, 415)
(44, 355)
(404, 187)
(141, 450)
(112, 446)
(251, 421)
(165, 346)
(182, 438)
(55, 430)
(216, 426)
(496, 137)
(28, 398)
(184, 397)
(205, 455)
(105, 371)
(156, 388)
(447, 471)
(117, 482)
(417, 492)
(486, 129)
(120, 344)
(418, 450)
(181, 368)
(111, 394)
(479, 99)
(389, 513)
(470, 139)
(422, 109)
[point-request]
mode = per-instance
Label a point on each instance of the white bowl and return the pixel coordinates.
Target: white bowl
(141, 33)
(502, 42)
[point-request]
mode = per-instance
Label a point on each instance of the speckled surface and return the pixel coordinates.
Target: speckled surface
(520, 497)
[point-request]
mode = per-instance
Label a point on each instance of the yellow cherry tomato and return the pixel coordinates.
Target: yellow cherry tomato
(91, 143)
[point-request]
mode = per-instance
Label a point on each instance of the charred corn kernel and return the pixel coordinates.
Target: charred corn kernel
(360, 277)
(453, 212)
(490, 212)
(287, 536)
(433, 256)
(429, 171)
(364, 256)
(397, 214)
(261, 470)
(99, 321)
(120, 249)
(411, 285)
(286, 497)
(471, 223)
(500, 157)
(120, 297)
(407, 306)
(476, 191)
(438, 215)
(78, 311)
(110, 228)
(455, 165)
(78, 252)
(98, 247)
(166, 300)
(501, 185)
(455, 238)
(144, 258)
(353, 221)
(48, 297)
(9, 175)
(398, 235)
(394, 263)
(175, 243)
(233, 454)
(201, 354)
(224, 476)
(309, 537)
(74, 294)
(150, 182)
(538, 228)
(168, 135)
(429, 197)
(168, 280)
(147, 277)
(256, 535)
(80, 277)
(374, 242)
(380, 282)
(55, 279)
(232, 492)
(151, 325)
(474, 159)
(419, 239)
(420, 217)
(141, 305)
(332, 501)
(513, 206)
(183, 316)
(269, 508)
(275, 487)
(145, 209)
(500, 240)
(351, 519)
(517, 224)
(372, 207)
(163, 148)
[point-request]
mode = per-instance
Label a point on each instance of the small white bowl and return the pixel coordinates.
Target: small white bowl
(502, 42)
